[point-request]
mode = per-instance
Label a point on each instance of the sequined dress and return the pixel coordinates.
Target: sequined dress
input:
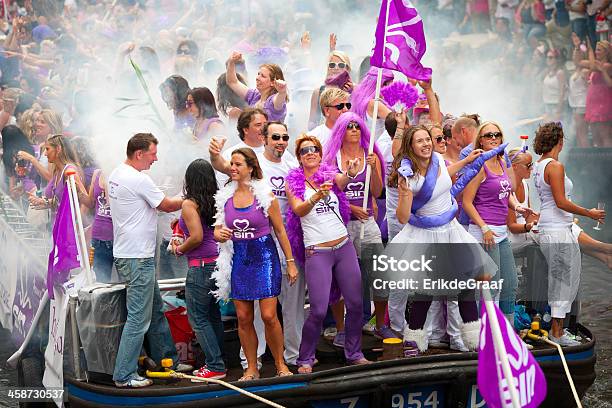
(256, 269)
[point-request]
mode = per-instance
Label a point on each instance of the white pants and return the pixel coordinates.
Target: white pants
(440, 323)
(562, 252)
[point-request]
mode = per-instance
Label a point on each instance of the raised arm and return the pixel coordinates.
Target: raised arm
(231, 79)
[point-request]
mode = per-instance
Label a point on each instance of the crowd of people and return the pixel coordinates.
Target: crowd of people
(279, 192)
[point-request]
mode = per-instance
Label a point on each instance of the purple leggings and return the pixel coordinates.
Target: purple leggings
(420, 306)
(322, 264)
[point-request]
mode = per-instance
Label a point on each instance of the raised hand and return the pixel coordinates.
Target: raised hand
(333, 39)
(280, 86)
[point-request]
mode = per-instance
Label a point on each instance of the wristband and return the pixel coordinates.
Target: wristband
(290, 260)
(485, 228)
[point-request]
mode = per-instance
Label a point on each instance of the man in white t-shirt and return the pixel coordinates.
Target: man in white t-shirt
(275, 164)
(250, 124)
(134, 201)
(334, 102)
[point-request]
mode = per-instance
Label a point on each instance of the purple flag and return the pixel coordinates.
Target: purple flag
(405, 45)
(529, 379)
(65, 254)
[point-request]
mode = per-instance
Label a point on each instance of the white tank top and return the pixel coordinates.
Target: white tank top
(551, 89)
(551, 216)
(525, 203)
(321, 224)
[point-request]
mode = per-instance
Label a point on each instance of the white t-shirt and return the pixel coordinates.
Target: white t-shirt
(133, 199)
(322, 224)
(227, 155)
(275, 174)
(321, 132)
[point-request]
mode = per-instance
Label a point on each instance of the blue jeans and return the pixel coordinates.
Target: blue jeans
(145, 316)
(103, 259)
(579, 26)
(170, 266)
(504, 259)
(204, 314)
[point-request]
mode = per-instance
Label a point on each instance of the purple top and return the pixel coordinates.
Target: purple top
(57, 185)
(246, 223)
(491, 200)
(208, 247)
(204, 129)
(87, 175)
(253, 96)
(102, 228)
(355, 190)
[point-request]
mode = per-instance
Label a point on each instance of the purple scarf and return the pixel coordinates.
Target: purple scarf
(296, 183)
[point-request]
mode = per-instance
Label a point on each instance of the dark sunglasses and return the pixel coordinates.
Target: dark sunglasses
(333, 65)
(341, 106)
(309, 149)
(493, 135)
(353, 125)
(277, 137)
(445, 138)
(529, 166)
(183, 52)
(188, 104)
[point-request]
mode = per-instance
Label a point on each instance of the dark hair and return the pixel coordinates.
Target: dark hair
(140, 141)
(205, 101)
(391, 124)
(179, 88)
(13, 140)
(273, 122)
(82, 149)
(194, 51)
(244, 120)
(226, 98)
(251, 161)
(474, 116)
(25, 102)
(150, 60)
(200, 186)
(547, 137)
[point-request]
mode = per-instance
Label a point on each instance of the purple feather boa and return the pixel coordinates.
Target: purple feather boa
(296, 182)
(400, 95)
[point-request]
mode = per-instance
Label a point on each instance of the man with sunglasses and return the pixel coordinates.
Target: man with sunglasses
(275, 164)
(334, 102)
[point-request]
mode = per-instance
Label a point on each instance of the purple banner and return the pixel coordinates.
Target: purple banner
(528, 378)
(65, 254)
(405, 40)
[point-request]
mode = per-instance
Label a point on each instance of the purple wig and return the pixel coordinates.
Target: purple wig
(364, 92)
(334, 143)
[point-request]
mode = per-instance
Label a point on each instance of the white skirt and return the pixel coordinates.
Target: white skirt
(455, 255)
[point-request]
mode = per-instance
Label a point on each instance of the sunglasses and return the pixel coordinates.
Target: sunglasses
(341, 106)
(353, 125)
(309, 149)
(445, 138)
(183, 52)
(529, 166)
(340, 65)
(189, 104)
(277, 137)
(492, 135)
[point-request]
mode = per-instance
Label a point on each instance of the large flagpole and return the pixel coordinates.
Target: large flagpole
(500, 349)
(368, 175)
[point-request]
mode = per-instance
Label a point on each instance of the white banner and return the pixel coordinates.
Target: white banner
(54, 354)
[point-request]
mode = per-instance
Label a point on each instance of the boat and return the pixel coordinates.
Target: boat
(437, 378)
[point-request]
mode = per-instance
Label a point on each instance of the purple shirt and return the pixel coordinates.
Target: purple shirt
(246, 223)
(355, 190)
(203, 131)
(253, 96)
(102, 228)
(208, 247)
(491, 200)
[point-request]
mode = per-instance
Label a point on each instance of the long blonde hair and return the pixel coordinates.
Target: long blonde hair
(65, 152)
(27, 122)
(406, 151)
(477, 144)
